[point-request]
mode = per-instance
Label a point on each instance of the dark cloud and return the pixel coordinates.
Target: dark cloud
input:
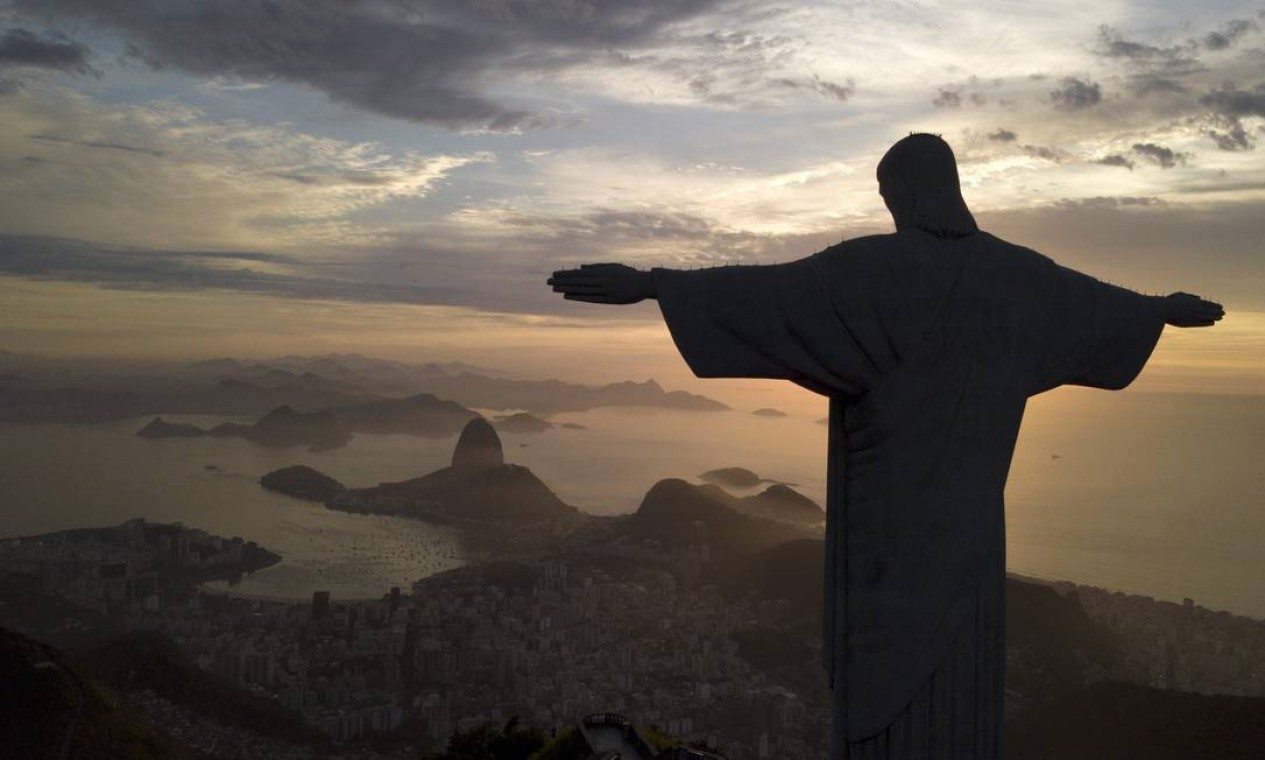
(51, 50)
(1235, 136)
(832, 90)
(1076, 94)
(1174, 58)
(1110, 202)
(1042, 152)
(1164, 157)
(1228, 105)
(96, 144)
(433, 63)
(948, 98)
(1156, 84)
(1003, 135)
(695, 238)
(1153, 69)
(1231, 101)
(48, 258)
(1231, 33)
(1116, 159)
(505, 274)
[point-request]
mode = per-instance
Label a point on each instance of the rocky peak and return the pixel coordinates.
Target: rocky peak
(478, 446)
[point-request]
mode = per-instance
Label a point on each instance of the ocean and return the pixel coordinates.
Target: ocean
(1157, 494)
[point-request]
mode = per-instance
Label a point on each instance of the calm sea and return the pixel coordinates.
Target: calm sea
(1160, 494)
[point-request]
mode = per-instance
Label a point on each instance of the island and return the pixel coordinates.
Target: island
(479, 488)
(738, 477)
(522, 423)
(160, 428)
(282, 427)
(302, 482)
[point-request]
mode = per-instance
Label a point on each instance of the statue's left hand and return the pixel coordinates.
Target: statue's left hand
(603, 283)
(1189, 310)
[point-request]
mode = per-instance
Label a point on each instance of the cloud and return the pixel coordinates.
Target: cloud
(437, 64)
(948, 97)
(1173, 59)
(839, 92)
(1044, 153)
(1231, 101)
(1164, 157)
(165, 175)
(1076, 94)
(49, 258)
(1230, 34)
(1229, 105)
(1109, 202)
(1235, 136)
(21, 47)
(1116, 159)
(1002, 135)
(955, 95)
(97, 144)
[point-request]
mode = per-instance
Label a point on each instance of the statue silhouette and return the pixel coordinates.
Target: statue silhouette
(928, 342)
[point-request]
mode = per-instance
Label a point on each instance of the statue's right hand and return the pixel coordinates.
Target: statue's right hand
(603, 283)
(1188, 310)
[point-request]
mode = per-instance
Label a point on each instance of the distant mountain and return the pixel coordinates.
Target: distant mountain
(549, 396)
(308, 381)
(478, 447)
(476, 487)
(232, 396)
(302, 482)
(738, 477)
(385, 376)
(522, 423)
(509, 493)
(281, 427)
(780, 502)
(422, 414)
(769, 412)
(75, 391)
(285, 427)
(160, 428)
(670, 506)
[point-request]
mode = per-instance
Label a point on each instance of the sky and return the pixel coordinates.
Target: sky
(193, 178)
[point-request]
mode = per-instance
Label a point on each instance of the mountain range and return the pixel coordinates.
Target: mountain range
(60, 390)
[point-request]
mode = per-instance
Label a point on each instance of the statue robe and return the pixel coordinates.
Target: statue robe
(928, 348)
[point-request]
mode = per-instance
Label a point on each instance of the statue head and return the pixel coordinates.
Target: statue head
(918, 179)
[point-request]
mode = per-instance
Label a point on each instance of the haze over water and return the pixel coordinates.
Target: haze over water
(1141, 492)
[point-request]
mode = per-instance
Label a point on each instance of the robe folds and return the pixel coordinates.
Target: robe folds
(928, 348)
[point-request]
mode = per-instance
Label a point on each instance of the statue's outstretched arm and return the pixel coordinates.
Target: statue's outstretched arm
(1188, 310)
(604, 283)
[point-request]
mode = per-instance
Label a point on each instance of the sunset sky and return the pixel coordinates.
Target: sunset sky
(192, 178)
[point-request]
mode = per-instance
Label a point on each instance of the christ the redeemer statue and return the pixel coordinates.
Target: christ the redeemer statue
(928, 342)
